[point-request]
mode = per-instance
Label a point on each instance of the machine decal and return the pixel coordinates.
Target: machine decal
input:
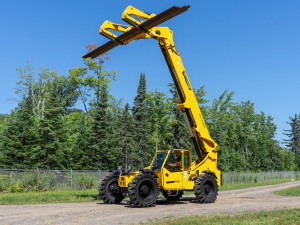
(187, 80)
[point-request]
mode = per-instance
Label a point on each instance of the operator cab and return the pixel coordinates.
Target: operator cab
(174, 160)
(172, 168)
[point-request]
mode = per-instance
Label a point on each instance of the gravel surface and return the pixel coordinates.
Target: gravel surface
(228, 202)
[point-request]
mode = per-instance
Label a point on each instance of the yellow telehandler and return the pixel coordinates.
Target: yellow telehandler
(171, 171)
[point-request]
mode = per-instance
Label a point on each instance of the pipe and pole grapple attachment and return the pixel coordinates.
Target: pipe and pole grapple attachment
(138, 27)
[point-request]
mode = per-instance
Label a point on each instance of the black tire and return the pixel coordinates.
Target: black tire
(206, 188)
(173, 196)
(143, 190)
(109, 191)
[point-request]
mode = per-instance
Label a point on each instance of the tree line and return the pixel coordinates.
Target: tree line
(47, 130)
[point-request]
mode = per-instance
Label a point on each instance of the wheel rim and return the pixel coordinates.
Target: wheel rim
(145, 189)
(208, 188)
(112, 187)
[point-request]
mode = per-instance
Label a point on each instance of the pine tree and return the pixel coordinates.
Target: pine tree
(159, 117)
(19, 138)
(92, 85)
(82, 158)
(293, 141)
(102, 140)
(126, 142)
(54, 153)
(143, 153)
(3, 118)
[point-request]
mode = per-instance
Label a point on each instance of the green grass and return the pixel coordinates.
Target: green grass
(293, 191)
(247, 185)
(49, 197)
(91, 195)
(287, 216)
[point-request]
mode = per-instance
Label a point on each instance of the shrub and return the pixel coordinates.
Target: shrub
(84, 181)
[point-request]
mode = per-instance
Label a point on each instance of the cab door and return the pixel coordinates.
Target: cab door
(172, 178)
(187, 160)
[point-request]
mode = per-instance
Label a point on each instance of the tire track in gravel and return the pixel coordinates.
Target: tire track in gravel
(228, 202)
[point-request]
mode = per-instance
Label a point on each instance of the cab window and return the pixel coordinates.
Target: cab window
(187, 162)
(159, 160)
(174, 162)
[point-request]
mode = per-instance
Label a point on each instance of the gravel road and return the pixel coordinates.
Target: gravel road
(228, 202)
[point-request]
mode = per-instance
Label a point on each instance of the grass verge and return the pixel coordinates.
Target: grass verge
(286, 216)
(91, 195)
(247, 185)
(48, 197)
(293, 191)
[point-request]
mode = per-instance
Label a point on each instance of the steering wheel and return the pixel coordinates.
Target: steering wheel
(170, 168)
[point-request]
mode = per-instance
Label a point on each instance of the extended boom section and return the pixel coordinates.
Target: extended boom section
(188, 103)
(172, 179)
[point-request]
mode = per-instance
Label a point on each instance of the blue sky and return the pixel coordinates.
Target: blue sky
(251, 47)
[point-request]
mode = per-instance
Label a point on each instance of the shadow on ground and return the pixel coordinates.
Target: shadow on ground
(90, 196)
(162, 201)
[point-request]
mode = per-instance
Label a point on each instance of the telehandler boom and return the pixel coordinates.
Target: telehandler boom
(171, 171)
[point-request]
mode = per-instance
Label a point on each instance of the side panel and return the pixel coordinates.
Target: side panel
(208, 164)
(126, 179)
(172, 180)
